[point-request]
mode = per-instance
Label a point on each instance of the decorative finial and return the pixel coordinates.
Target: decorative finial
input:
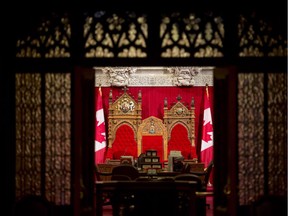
(165, 102)
(192, 102)
(125, 89)
(179, 97)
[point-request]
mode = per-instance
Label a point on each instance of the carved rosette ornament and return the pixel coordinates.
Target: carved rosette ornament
(184, 76)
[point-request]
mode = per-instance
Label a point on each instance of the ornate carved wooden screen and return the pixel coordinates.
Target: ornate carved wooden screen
(181, 119)
(152, 134)
(125, 117)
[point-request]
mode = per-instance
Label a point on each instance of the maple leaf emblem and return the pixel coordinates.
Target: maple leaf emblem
(207, 132)
(100, 126)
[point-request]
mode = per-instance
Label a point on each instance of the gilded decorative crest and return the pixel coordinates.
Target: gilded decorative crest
(179, 110)
(152, 127)
(126, 105)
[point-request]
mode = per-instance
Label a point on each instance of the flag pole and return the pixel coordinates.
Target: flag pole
(207, 90)
(100, 91)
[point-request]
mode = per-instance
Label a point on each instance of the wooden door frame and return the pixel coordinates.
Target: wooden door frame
(83, 107)
(225, 141)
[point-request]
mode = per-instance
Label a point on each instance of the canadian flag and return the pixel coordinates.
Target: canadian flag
(207, 132)
(100, 135)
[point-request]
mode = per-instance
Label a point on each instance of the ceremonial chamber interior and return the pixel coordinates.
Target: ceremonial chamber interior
(144, 108)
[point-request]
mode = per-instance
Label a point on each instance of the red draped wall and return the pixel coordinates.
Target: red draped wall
(153, 102)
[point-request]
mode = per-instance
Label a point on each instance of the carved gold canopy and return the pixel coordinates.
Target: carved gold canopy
(124, 110)
(152, 126)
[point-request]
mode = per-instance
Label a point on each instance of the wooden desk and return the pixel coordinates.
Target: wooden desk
(161, 173)
(104, 171)
(149, 198)
(195, 167)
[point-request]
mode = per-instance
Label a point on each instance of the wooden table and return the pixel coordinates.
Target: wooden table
(149, 198)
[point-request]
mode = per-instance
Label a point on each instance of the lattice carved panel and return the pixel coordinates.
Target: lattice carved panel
(191, 35)
(109, 35)
(58, 138)
(48, 39)
(250, 137)
(43, 136)
(259, 37)
(28, 134)
(277, 127)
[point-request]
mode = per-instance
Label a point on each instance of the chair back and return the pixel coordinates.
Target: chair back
(190, 177)
(120, 178)
(126, 170)
(103, 172)
(186, 168)
(200, 187)
(208, 172)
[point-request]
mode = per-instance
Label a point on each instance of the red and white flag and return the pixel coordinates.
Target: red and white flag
(100, 135)
(207, 132)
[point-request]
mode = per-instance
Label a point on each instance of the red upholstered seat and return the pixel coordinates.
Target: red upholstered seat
(179, 141)
(125, 143)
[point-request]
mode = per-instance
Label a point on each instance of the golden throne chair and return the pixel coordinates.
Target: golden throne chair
(124, 117)
(179, 120)
(152, 134)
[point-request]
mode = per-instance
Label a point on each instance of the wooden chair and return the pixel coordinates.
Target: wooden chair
(120, 178)
(103, 172)
(201, 201)
(125, 170)
(191, 177)
(153, 198)
(205, 175)
(186, 168)
(207, 172)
